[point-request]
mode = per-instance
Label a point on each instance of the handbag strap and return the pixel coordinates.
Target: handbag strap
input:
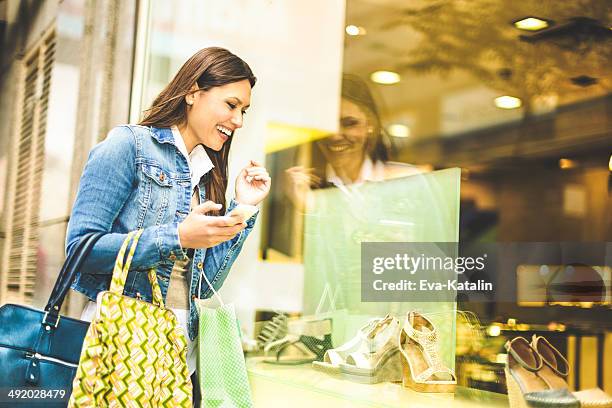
(122, 268)
(120, 271)
(158, 299)
(70, 268)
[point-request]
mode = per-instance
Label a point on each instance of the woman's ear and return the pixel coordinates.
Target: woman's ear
(370, 141)
(190, 97)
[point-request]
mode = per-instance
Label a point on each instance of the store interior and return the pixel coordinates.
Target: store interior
(521, 111)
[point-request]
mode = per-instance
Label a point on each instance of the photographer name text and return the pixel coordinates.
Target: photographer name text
(425, 285)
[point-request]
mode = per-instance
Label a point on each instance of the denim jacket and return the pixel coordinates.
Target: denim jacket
(138, 179)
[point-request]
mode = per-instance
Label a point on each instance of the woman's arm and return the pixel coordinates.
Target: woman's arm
(252, 187)
(220, 258)
(108, 180)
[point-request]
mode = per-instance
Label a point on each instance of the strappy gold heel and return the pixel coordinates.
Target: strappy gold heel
(422, 367)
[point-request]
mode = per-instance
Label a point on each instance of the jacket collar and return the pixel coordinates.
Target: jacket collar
(162, 135)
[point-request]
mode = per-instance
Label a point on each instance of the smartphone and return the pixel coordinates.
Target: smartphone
(243, 212)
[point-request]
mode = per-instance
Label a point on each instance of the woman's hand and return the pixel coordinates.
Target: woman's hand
(297, 183)
(252, 184)
(199, 230)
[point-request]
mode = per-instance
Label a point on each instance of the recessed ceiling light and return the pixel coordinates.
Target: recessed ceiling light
(385, 77)
(531, 24)
(610, 164)
(398, 130)
(507, 102)
(355, 30)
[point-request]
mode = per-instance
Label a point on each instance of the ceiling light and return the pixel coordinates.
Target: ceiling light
(567, 164)
(355, 30)
(610, 164)
(531, 24)
(398, 130)
(385, 77)
(507, 102)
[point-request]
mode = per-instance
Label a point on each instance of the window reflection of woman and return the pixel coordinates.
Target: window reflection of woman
(359, 152)
(360, 137)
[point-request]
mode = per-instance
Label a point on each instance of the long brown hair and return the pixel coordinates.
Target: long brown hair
(208, 68)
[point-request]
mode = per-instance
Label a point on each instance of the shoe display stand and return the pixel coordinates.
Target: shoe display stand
(301, 386)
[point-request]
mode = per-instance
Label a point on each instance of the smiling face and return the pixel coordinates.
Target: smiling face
(213, 116)
(350, 142)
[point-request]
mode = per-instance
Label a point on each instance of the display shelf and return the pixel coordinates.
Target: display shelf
(301, 386)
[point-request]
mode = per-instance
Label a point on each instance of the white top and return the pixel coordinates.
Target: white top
(369, 172)
(198, 161)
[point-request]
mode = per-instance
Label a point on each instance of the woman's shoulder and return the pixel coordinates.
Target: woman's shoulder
(393, 170)
(128, 130)
(128, 135)
(144, 134)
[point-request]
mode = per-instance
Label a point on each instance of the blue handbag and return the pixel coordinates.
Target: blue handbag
(39, 349)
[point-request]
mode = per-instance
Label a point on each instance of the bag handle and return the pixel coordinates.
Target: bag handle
(70, 268)
(211, 287)
(121, 270)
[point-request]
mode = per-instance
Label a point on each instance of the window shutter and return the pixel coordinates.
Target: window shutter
(22, 238)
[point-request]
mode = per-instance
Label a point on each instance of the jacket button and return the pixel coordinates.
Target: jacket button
(162, 177)
(200, 265)
(193, 297)
(173, 257)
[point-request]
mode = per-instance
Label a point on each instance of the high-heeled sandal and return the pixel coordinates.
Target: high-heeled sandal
(555, 371)
(525, 387)
(336, 356)
(422, 367)
(378, 358)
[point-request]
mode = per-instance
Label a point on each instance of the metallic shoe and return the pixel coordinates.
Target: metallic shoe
(422, 367)
(336, 356)
(378, 358)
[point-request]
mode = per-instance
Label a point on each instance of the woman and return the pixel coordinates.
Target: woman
(359, 152)
(168, 176)
(361, 146)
